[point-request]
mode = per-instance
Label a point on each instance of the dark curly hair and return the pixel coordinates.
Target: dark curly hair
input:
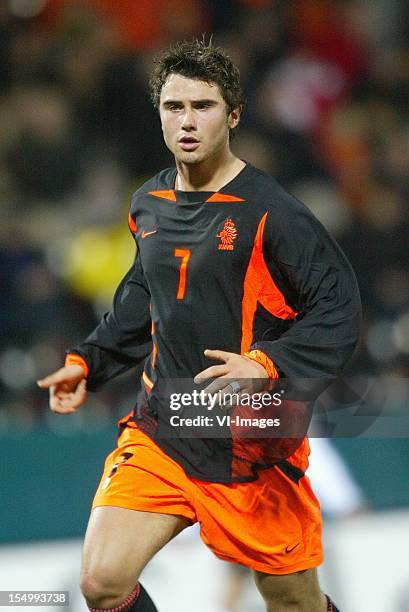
(197, 59)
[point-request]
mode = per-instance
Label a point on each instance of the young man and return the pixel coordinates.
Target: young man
(233, 280)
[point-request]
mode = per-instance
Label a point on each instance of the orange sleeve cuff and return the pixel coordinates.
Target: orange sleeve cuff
(74, 359)
(265, 361)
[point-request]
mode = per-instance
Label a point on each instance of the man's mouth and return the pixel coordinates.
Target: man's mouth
(189, 143)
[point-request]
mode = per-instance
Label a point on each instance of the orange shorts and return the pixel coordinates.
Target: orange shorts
(271, 525)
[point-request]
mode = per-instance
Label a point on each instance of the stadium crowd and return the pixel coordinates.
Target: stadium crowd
(326, 86)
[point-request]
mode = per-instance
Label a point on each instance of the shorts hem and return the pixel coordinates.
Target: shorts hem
(146, 507)
(304, 564)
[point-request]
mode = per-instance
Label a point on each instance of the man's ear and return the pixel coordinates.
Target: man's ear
(234, 117)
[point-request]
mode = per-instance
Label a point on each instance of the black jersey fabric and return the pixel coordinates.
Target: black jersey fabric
(246, 267)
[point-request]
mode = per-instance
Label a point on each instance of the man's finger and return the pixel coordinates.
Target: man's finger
(67, 374)
(232, 395)
(64, 405)
(216, 385)
(81, 391)
(52, 379)
(67, 402)
(61, 409)
(212, 372)
(218, 355)
(56, 403)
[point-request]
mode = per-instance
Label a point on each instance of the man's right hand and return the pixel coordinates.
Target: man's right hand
(67, 389)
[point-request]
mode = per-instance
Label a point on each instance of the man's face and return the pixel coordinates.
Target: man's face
(194, 117)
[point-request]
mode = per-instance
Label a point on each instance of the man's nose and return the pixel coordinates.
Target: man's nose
(188, 121)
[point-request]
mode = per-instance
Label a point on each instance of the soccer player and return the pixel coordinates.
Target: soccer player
(234, 280)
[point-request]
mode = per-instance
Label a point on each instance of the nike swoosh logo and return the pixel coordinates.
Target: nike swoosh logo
(145, 234)
(291, 548)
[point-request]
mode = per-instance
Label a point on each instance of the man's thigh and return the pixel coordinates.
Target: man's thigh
(119, 543)
(139, 506)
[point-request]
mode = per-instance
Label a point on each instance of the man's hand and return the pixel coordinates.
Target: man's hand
(67, 389)
(250, 375)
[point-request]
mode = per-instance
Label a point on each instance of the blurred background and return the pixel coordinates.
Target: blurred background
(326, 84)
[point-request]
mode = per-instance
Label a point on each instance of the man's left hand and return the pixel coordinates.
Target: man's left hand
(250, 375)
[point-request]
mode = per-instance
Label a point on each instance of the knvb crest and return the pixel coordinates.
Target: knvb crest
(227, 236)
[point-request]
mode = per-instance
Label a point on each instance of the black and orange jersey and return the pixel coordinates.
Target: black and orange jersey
(246, 267)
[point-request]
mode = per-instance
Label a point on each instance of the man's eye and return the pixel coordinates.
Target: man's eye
(173, 107)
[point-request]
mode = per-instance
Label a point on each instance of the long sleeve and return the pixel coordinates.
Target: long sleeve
(319, 284)
(123, 337)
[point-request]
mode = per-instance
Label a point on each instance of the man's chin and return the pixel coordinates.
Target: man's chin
(189, 157)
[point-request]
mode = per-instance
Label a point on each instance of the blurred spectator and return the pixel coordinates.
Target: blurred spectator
(46, 158)
(140, 26)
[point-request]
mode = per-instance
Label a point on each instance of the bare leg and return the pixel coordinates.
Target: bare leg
(298, 592)
(118, 544)
(235, 584)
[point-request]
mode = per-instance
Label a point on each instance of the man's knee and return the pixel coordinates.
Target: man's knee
(298, 592)
(283, 598)
(104, 590)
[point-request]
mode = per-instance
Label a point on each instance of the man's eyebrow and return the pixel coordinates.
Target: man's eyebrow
(194, 102)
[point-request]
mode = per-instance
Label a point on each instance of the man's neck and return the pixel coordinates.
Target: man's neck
(207, 176)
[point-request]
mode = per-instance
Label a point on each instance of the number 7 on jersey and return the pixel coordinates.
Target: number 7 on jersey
(185, 255)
